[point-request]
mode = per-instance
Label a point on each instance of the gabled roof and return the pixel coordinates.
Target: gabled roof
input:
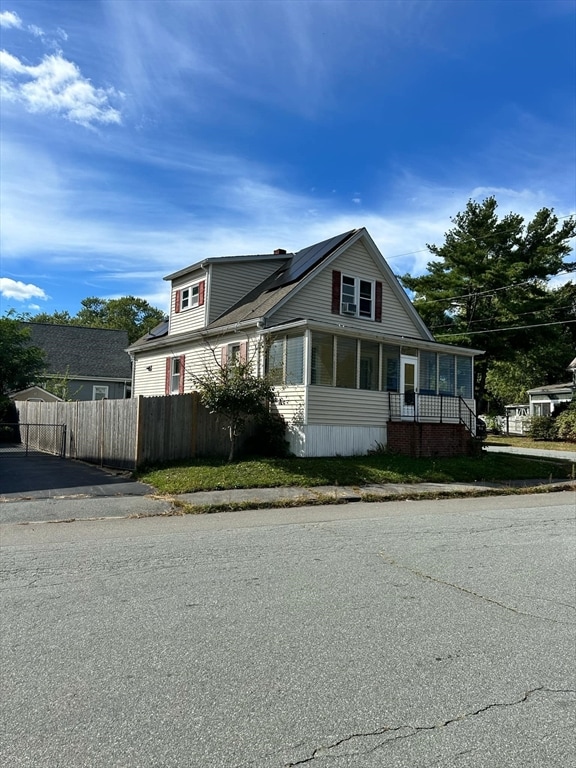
(271, 293)
(79, 351)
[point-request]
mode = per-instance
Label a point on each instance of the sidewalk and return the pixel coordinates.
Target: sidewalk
(330, 494)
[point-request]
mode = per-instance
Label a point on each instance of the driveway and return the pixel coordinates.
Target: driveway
(41, 476)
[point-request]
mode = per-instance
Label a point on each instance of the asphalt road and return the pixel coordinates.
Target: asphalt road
(397, 635)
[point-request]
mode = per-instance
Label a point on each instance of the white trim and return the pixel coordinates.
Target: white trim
(103, 387)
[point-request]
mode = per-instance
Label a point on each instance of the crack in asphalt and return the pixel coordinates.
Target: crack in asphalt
(414, 730)
(416, 572)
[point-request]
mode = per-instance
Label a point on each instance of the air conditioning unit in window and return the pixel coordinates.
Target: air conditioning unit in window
(348, 309)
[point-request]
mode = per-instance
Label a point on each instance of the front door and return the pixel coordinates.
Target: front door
(408, 385)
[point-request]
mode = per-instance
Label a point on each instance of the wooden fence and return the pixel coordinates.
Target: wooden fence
(131, 433)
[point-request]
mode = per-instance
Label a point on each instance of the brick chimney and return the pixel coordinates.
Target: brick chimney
(279, 252)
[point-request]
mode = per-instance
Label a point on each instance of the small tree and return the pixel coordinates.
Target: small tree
(60, 386)
(235, 392)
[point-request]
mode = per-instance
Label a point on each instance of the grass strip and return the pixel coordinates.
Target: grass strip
(377, 469)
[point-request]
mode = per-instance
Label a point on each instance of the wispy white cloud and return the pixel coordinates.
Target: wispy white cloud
(56, 85)
(15, 289)
(10, 19)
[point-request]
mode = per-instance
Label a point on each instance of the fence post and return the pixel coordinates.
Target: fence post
(194, 429)
(139, 429)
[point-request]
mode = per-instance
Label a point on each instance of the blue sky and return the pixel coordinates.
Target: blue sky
(140, 136)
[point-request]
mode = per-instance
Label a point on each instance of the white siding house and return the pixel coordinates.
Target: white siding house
(348, 352)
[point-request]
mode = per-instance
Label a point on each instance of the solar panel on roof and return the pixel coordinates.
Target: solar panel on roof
(308, 257)
(159, 330)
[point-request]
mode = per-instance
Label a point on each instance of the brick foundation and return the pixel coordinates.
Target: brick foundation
(429, 440)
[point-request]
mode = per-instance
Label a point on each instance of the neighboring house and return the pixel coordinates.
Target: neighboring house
(545, 400)
(542, 401)
(349, 353)
(93, 362)
(35, 395)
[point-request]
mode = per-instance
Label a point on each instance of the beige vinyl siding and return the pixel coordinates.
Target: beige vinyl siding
(149, 383)
(361, 407)
(313, 301)
(291, 403)
(192, 319)
(229, 282)
(200, 356)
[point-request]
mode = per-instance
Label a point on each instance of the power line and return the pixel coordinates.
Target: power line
(516, 314)
(491, 290)
(501, 330)
(480, 236)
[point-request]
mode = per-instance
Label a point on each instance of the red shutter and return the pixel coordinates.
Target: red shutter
(378, 303)
(167, 386)
(224, 356)
(182, 371)
(201, 292)
(177, 301)
(336, 288)
(243, 351)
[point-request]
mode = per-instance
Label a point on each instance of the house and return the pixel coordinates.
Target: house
(354, 364)
(89, 363)
(35, 395)
(543, 401)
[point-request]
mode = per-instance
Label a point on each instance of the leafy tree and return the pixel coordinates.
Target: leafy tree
(233, 391)
(129, 313)
(21, 364)
(492, 274)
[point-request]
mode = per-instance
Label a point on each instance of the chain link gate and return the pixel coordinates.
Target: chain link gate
(28, 439)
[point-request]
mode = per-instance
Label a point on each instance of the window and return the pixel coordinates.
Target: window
(175, 375)
(428, 373)
(99, 392)
(446, 374)
(391, 368)
(175, 369)
(322, 359)
(234, 352)
(369, 364)
(189, 297)
(357, 297)
(464, 376)
(346, 362)
(294, 360)
(275, 361)
(285, 360)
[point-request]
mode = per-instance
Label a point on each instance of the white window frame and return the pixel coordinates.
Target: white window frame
(357, 284)
(103, 387)
(175, 374)
(190, 296)
(234, 351)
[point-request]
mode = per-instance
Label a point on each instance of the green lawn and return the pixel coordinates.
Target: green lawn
(354, 471)
(526, 442)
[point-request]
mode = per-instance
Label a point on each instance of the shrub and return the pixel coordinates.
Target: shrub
(566, 423)
(269, 438)
(543, 428)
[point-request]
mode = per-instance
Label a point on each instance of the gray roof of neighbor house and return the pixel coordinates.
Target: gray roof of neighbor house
(75, 350)
(552, 389)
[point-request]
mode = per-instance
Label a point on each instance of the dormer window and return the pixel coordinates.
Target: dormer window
(189, 297)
